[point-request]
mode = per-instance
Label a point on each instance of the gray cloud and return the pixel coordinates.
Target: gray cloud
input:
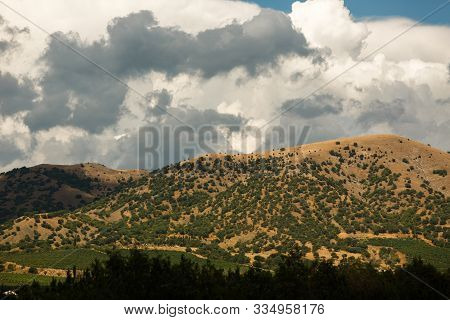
(92, 103)
(197, 118)
(162, 100)
(75, 92)
(12, 33)
(162, 103)
(4, 46)
(296, 76)
(384, 112)
(137, 44)
(9, 152)
(322, 113)
(412, 116)
(15, 96)
(313, 107)
(253, 44)
(443, 102)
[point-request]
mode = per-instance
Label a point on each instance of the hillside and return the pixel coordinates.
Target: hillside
(46, 188)
(337, 199)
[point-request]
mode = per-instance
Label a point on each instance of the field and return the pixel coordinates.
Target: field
(81, 258)
(437, 256)
(17, 279)
(55, 259)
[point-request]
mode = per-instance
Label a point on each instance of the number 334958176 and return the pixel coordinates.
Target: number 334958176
(288, 308)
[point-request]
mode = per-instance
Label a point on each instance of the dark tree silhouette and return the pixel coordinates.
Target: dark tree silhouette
(137, 276)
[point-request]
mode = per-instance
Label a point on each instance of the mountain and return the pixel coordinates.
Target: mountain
(379, 198)
(47, 188)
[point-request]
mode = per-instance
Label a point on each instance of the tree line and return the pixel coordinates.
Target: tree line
(137, 276)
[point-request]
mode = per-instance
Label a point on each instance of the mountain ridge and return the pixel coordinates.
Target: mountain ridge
(349, 197)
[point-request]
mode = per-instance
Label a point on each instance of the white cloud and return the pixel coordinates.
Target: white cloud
(423, 42)
(328, 23)
(235, 108)
(90, 18)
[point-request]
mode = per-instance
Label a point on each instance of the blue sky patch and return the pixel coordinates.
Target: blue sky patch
(414, 9)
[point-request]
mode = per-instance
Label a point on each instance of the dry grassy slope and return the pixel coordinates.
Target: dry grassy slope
(393, 149)
(422, 159)
(49, 187)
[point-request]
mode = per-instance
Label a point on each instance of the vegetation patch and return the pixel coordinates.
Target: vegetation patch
(441, 173)
(413, 248)
(55, 259)
(18, 279)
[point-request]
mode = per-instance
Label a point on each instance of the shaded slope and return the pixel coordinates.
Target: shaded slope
(46, 188)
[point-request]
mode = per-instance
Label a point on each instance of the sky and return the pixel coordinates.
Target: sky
(79, 78)
(361, 9)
